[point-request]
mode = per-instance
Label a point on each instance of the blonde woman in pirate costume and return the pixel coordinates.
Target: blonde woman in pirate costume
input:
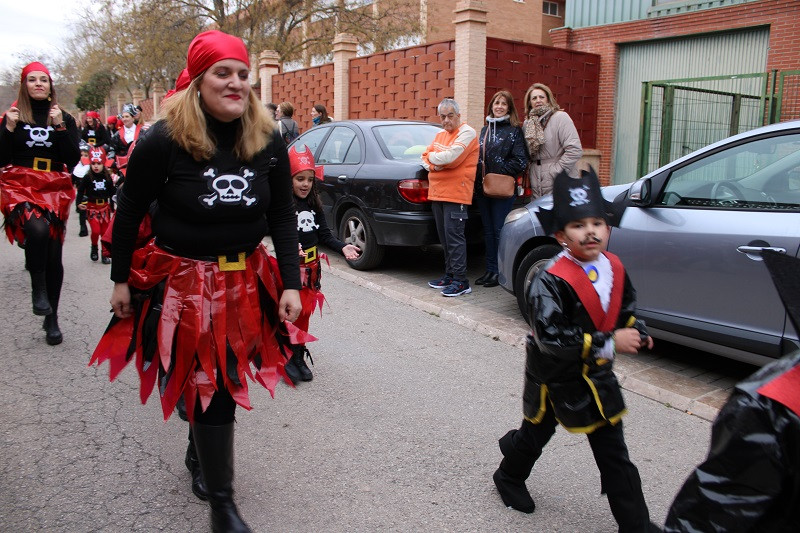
(581, 309)
(202, 303)
(94, 196)
(38, 147)
(312, 230)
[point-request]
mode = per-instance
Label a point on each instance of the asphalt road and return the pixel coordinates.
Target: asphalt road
(397, 432)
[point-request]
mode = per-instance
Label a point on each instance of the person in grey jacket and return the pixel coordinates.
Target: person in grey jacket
(553, 142)
(502, 150)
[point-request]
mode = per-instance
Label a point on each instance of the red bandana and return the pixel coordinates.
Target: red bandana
(212, 46)
(33, 67)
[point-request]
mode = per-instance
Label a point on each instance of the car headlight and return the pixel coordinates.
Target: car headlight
(515, 214)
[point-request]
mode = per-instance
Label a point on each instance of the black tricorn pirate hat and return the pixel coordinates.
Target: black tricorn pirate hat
(785, 272)
(574, 199)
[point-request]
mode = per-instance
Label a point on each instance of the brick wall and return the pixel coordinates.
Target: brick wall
(304, 88)
(403, 84)
(508, 19)
(572, 76)
(784, 45)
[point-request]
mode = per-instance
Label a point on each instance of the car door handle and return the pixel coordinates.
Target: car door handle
(759, 249)
(342, 178)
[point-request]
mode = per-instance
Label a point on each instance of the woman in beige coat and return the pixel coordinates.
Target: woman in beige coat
(551, 137)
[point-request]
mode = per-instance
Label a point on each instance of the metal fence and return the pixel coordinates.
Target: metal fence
(683, 115)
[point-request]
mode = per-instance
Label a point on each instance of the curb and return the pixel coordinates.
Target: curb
(630, 383)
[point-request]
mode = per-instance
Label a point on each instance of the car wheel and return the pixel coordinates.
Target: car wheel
(354, 229)
(531, 264)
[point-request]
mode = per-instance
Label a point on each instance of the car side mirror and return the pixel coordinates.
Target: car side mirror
(639, 193)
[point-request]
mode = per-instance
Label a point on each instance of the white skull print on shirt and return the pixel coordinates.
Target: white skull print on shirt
(38, 136)
(306, 221)
(228, 189)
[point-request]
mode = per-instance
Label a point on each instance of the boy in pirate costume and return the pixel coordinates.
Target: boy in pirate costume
(581, 309)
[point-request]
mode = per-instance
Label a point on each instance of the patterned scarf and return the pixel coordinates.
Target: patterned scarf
(534, 131)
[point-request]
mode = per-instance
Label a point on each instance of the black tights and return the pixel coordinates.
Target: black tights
(43, 254)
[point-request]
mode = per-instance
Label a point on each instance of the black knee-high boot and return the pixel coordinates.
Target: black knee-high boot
(214, 446)
(193, 464)
(41, 305)
(510, 477)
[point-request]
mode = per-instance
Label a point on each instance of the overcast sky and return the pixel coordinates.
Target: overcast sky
(35, 25)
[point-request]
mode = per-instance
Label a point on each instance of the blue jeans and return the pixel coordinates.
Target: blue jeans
(493, 213)
(451, 220)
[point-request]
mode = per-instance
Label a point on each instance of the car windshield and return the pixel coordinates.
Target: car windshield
(406, 142)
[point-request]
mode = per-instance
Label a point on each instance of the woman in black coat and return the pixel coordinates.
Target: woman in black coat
(502, 151)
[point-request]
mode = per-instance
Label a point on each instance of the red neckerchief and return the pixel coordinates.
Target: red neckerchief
(568, 270)
(785, 389)
(135, 134)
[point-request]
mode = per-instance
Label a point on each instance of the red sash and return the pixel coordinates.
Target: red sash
(785, 389)
(566, 269)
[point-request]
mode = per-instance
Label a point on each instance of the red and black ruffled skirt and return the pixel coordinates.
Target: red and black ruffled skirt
(98, 211)
(26, 193)
(193, 321)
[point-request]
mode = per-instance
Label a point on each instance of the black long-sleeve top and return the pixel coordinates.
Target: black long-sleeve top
(207, 208)
(312, 228)
(29, 141)
(97, 135)
(96, 187)
(502, 150)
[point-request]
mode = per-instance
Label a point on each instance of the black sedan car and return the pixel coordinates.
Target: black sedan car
(375, 190)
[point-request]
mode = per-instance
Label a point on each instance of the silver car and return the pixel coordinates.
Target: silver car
(690, 236)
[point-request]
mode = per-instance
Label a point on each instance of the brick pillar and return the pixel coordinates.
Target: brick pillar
(345, 47)
(470, 64)
(106, 111)
(158, 95)
(120, 102)
(268, 66)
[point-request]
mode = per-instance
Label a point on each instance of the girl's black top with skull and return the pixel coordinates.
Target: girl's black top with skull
(312, 228)
(96, 187)
(39, 140)
(207, 208)
(96, 135)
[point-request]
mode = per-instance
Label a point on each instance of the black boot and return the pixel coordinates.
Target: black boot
(481, 280)
(105, 260)
(291, 368)
(193, 465)
(53, 334)
(93, 254)
(300, 354)
(82, 219)
(510, 477)
(41, 305)
(214, 445)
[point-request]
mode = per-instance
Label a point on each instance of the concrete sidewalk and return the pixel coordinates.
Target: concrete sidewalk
(688, 380)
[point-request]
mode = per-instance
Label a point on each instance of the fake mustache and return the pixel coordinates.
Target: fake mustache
(591, 239)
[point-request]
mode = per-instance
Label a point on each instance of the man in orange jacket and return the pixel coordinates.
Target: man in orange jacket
(451, 161)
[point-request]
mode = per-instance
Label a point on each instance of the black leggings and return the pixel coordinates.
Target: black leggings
(43, 254)
(222, 409)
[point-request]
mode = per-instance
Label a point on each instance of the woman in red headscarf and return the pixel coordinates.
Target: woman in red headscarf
(202, 301)
(38, 146)
(94, 132)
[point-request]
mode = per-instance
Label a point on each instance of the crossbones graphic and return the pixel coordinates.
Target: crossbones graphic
(228, 188)
(39, 136)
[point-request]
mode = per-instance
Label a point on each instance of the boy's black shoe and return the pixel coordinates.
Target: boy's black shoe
(93, 253)
(83, 232)
(513, 492)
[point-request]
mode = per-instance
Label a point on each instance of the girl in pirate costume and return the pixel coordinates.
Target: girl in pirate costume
(125, 137)
(201, 307)
(38, 146)
(94, 197)
(581, 309)
(94, 132)
(312, 229)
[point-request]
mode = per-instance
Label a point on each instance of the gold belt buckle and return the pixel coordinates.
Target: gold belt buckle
(45, 161)
(100, 201)
(227, 265)
(311, 254)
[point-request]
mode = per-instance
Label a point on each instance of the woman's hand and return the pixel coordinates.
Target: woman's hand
(121, 300)
(289, 307)
(12, 117)
(351, 252)
(56, 116)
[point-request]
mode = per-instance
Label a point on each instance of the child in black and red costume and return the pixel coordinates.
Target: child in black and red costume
(312, 229)
(581, 309)
(94, 196)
